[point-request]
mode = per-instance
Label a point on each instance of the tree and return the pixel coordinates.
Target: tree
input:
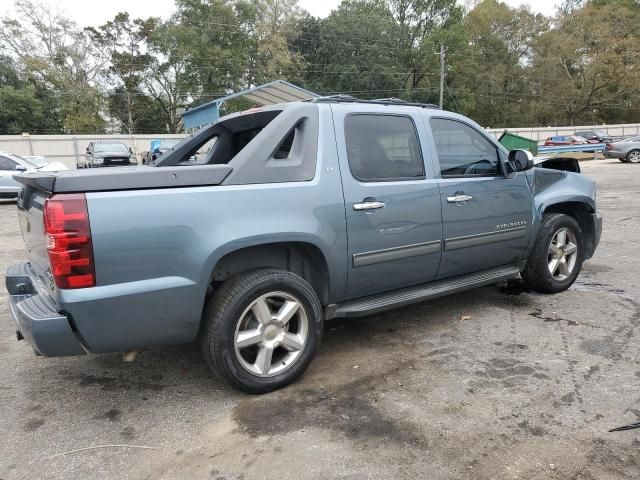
(274, 24)
(23, 106)
(169, 80)
(212, 38)
(122, 43)
(589, 64)
(494, 69)
(353, 50)
(58, 57)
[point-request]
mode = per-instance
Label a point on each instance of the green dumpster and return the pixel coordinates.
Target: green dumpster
(515, 142)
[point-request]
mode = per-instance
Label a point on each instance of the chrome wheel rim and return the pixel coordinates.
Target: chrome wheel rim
(271, 334)
(634, 157)
(563, 254)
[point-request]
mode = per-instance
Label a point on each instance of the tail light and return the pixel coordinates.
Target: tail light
(66, 225)
(608, 146)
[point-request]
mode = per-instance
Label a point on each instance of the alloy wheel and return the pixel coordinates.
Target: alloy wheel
(563, 254)
(271, 334)
(634, 157)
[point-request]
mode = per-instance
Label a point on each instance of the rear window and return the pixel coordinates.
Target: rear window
(383, 148)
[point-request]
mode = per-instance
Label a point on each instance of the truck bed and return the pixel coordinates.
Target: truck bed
(124, 178)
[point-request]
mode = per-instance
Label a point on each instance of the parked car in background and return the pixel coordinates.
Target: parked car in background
(302, 212)
(42, 164)
(627, 150)
(561, 140)
(13, 164)
(107, 154)
(594, 136)
(157, 147)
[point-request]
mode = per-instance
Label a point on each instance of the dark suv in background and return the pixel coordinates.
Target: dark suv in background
(107, 154)
(595, 136)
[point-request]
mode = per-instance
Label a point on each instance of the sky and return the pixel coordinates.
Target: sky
(94, 12)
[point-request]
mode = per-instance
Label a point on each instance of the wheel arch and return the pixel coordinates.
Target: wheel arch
(582, 212)
(303, 258)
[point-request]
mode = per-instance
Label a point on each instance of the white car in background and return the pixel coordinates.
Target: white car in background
(12, 164)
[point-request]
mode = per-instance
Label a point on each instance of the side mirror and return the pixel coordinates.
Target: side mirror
(520, 160)
(130, 150)
(87, 149)
(21, 168)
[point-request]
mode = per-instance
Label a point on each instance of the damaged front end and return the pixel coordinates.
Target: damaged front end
(566, 164)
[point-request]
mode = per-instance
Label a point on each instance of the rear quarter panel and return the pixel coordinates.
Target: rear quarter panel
(155, 250)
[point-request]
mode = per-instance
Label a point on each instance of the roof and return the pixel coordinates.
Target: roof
(341, 98)
(278, 91)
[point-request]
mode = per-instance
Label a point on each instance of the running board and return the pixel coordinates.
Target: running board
(420, 293)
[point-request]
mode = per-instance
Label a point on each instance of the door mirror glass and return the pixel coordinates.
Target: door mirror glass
(520, 160)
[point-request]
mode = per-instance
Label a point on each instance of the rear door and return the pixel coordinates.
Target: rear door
(487, 217)
(391, 196)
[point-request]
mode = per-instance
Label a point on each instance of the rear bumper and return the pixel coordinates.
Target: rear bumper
(614, 154)
(36, 317)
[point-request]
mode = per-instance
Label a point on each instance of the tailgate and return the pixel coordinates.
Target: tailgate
(30, 215)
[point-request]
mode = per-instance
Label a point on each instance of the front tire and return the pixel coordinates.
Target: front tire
(261, 330)
(633, 156)
(556, 259)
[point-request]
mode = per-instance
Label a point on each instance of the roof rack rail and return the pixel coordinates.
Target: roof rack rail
(341, 98)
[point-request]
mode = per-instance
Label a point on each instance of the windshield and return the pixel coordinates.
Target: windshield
(38, 162)
(167, 144)
(111, 147)
(22, 161)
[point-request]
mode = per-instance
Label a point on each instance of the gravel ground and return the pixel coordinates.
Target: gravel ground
(494, 383)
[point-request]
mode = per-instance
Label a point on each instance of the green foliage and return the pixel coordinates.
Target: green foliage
(504, 66)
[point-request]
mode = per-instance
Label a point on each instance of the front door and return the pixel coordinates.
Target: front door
(487, 217)
(391, 197)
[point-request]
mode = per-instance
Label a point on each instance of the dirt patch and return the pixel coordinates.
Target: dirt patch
(350, 410)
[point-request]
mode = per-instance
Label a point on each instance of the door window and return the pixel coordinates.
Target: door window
(462, 150)
(7, 164)
(383, 148)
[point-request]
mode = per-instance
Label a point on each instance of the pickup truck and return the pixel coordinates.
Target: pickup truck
(298, 213)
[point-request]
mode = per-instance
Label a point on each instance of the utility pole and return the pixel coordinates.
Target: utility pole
(441, 74)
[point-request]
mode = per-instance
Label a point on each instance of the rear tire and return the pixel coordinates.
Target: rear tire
(556, 259)
(261, 330)
(633, 156)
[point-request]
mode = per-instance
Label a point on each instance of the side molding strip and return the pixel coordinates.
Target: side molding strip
(395, 253)
(484, 238)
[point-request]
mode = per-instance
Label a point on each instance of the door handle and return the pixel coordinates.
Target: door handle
(459, 198)
(368, 205)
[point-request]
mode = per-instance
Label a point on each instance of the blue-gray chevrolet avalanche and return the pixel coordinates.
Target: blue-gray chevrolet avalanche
(250, 233)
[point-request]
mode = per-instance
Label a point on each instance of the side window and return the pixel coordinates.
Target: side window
(7, 164)
(463, 151)
(383, 147)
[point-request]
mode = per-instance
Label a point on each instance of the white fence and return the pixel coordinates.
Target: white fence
(69, 148)
(541, 133)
